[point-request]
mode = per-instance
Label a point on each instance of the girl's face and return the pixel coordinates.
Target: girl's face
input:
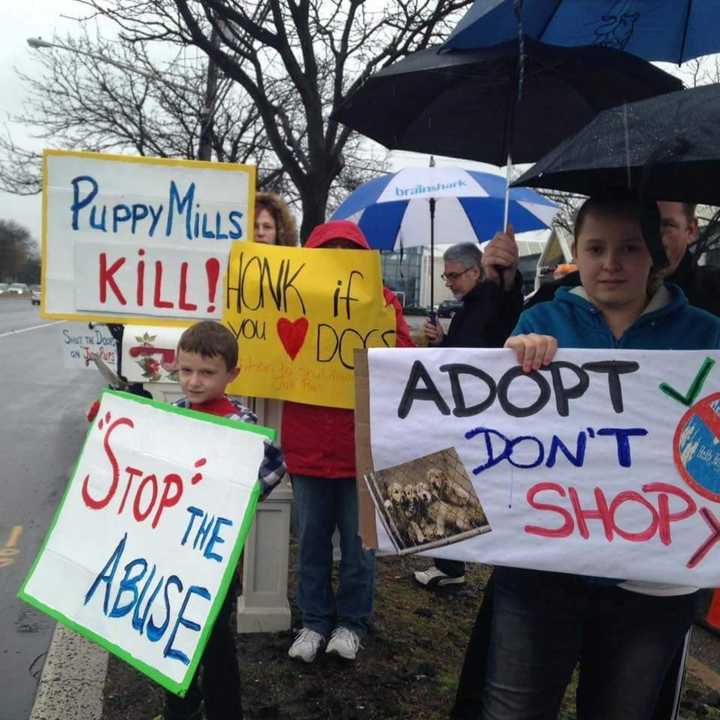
(613, 261)
(265, 228)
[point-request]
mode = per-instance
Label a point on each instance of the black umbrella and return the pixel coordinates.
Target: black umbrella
(473, 104)
(665, 148)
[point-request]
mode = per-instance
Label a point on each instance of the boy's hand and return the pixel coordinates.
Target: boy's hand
(533, 351)
(92, 411)
(265, 490)
(434, 332)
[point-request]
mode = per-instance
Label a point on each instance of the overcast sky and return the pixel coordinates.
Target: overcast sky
(45, 18)
(18, 21)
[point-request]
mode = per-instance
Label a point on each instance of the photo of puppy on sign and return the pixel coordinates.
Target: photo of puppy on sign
(427, 502)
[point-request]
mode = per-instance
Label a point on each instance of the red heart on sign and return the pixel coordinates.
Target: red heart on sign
(292, 335)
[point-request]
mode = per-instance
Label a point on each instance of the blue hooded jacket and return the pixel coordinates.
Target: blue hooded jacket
(668, 323)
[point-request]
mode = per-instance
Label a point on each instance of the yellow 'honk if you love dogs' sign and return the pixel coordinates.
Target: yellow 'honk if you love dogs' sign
(299, 315)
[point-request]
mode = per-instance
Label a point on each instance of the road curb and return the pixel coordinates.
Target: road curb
(72, 680)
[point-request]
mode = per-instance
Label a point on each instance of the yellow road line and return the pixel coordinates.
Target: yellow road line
(9, 550)
(15, 534)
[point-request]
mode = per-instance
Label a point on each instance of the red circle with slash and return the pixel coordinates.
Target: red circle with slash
(698, 433)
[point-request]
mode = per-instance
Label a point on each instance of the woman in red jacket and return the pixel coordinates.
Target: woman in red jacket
(319, 447)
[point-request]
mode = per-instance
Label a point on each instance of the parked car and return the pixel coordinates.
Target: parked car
(447, 308)
(409, 310)
(3, 288)
(18, 289)
(35, 294)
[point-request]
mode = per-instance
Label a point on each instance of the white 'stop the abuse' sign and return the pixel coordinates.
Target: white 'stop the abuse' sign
(607, 463)
(128, 238)
(146, 541)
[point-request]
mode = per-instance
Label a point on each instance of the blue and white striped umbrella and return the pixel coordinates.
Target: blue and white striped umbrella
(394, 210)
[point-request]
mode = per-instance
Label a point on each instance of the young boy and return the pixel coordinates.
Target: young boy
(624, 634)
(206, 360)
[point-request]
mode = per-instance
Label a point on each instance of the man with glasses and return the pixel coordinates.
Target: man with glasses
(491, 297)
(490, 289)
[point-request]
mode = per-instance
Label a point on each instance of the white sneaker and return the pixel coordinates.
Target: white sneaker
(343, 642)
(432, 577)
(306, 645)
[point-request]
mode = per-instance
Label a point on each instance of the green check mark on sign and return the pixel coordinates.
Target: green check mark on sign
(695, 386)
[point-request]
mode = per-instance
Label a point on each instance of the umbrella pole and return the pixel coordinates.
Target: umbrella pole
(432, 260)
(508, 179)
(510, 125)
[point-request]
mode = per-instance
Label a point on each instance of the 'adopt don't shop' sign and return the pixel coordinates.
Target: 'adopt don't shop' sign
(145, 543)
(605, 463)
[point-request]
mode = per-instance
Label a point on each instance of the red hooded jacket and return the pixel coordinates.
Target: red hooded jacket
(316, 440)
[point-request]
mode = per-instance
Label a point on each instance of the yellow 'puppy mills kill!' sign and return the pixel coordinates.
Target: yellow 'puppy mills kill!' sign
(299, 315)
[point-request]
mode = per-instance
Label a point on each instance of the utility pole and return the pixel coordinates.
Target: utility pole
(208, 111)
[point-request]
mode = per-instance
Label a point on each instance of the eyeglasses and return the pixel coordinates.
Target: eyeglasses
(451, 276)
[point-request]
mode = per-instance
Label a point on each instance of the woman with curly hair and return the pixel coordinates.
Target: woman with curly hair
(274, 223)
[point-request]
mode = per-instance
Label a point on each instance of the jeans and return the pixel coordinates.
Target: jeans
(452, 568)
(217, 680)
(544, 623)
(321, 505)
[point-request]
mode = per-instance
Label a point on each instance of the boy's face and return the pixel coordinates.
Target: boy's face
(203, 378)
(613, 261)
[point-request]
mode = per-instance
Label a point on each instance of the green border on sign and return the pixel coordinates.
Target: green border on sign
(179, 688)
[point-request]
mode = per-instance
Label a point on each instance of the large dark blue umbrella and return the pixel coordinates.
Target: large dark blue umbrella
(671, 30)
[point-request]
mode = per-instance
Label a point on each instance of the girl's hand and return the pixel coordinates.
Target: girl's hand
(533, 351)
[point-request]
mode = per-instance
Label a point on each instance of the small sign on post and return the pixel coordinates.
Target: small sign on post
(81, 343)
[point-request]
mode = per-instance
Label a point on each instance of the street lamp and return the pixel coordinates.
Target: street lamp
(206, 112)
(39, 44)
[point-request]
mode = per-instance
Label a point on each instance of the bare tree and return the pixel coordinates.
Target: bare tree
(109, 96)
(17, 249)
(297, 60)
(568, 204)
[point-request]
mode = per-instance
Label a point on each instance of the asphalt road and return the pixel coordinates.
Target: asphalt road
(42, 426)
